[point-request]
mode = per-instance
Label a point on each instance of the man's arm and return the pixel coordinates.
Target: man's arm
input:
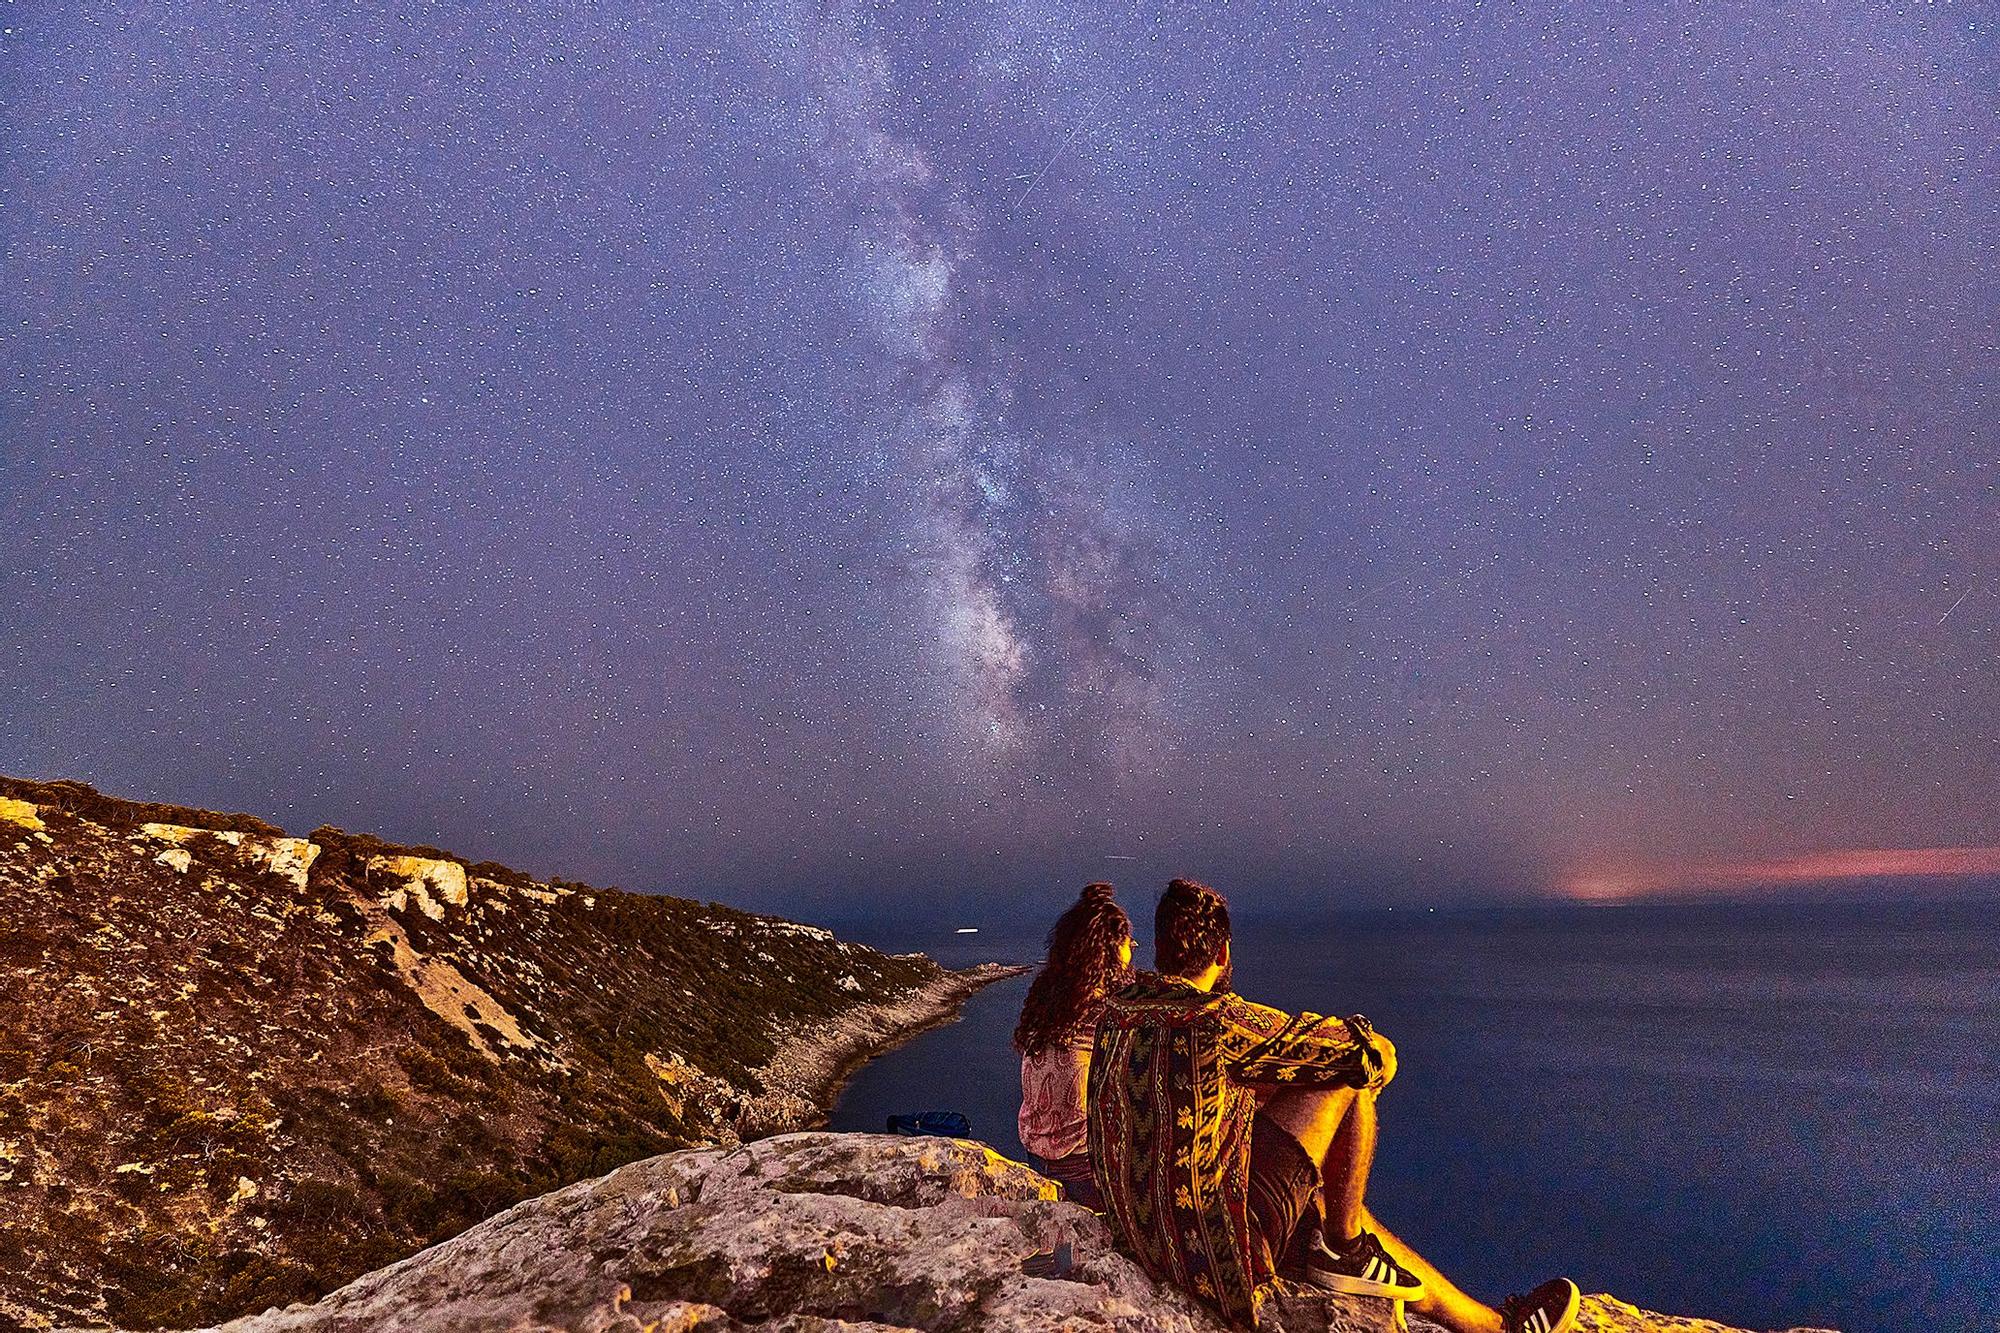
(1268, 1047)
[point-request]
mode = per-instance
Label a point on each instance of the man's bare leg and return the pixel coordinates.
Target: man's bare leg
(1310, 1115)
(1443, 1302)
(1323, 1120)
(1338, 1128)
(1344, 1173)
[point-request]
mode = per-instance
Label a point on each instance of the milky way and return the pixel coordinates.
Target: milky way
(803, 454)
(1035, 557)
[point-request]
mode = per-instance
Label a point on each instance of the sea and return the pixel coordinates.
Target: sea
(1772, 1116)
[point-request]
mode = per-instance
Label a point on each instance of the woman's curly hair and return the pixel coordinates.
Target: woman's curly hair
(1082, 968)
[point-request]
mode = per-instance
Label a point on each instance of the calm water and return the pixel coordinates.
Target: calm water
(1773, 1116)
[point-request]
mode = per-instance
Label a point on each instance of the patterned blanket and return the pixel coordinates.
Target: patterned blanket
(1174, 1078)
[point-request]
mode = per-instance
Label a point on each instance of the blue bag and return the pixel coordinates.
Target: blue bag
(947, 1124)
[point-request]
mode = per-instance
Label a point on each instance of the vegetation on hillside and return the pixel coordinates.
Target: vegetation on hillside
(227, 1083)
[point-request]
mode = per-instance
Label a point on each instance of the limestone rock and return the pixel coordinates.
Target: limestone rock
(22, 813)
(866, 1232)
(810, 1233)
(1608, 1314)
(425, 882)
(288, 858)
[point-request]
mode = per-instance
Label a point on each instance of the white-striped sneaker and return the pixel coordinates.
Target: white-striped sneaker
(1549, 1308)
(1362, 1268)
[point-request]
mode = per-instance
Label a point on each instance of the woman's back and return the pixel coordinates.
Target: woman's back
(1052, 1092)
(1090, 951)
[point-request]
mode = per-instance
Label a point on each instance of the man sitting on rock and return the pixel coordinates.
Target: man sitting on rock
(1230, 1140)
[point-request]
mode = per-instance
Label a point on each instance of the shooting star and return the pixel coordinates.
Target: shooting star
(1061, 148)
(1373, 593)
(1955, 605)
(1115, 856)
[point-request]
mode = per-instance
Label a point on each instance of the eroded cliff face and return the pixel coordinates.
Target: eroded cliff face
(812, 1233)
(238, 1068)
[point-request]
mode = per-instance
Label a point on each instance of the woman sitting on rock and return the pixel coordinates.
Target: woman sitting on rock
(1089, 956)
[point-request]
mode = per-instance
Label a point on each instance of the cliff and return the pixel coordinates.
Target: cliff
(812, 1233)
(238, 1068)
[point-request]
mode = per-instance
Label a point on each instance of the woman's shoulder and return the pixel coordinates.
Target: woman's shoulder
(1062, 1050)
(1084, 1030)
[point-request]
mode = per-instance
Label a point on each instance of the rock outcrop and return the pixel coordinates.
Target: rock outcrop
(813, 1233)
(239, 1068)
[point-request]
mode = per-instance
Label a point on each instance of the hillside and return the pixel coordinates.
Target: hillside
(239, 1068)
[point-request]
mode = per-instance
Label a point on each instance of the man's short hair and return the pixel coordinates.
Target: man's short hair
(1190, 928)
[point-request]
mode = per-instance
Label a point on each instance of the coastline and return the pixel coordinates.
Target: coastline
(802, 1082)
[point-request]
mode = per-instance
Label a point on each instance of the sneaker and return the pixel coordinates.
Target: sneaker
(1549, 1308)
(1363, 1268)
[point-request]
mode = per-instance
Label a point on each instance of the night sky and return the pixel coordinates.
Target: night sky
(829, 458)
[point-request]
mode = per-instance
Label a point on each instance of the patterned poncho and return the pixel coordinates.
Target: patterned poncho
(1172, 1091)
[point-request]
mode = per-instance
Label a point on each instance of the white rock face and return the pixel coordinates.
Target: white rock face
(427, 883)
(25, 813)
(290, 858)
(813, 1233)
(773, 926)
(541, 895)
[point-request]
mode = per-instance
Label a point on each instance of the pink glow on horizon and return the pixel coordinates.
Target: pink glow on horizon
(1810, 868)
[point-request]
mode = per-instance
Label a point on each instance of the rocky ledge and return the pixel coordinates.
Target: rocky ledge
(811, 1233)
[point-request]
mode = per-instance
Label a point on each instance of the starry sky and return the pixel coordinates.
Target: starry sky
(816, 455)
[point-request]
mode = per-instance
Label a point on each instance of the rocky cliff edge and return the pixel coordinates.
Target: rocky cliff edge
(813, 1233)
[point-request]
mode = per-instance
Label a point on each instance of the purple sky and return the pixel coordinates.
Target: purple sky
(1406, 454)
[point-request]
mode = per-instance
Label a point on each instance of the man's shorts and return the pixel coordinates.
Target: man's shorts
(1284, 1188)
